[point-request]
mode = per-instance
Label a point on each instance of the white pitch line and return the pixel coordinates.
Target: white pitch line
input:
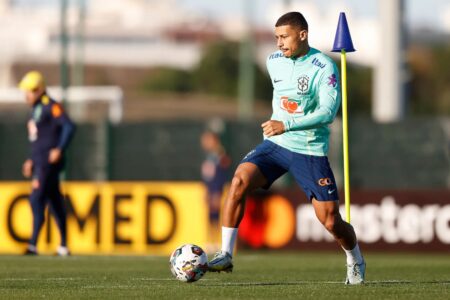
(108, 287)
(153, 279)
(169, 279)
(280, 283)
(49, 279)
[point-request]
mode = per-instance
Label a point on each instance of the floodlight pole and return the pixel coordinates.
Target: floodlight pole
(63, 68)
(78, 68)
(343, 44)
(246, 81)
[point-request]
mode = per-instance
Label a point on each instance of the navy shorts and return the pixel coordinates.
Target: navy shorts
(312, 173)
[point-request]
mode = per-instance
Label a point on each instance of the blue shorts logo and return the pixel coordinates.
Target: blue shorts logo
(324, 181)
(248, 154)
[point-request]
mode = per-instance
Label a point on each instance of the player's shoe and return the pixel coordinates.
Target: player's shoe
(31, 250)
(62, 251)
(356, 273)
(222, 261)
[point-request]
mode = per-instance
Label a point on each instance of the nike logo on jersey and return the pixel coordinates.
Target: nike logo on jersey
(330, 192)
(277, 80)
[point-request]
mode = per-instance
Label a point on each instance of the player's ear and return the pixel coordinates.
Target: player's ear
(303, 35)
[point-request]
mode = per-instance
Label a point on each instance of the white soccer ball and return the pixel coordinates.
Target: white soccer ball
(188, 263)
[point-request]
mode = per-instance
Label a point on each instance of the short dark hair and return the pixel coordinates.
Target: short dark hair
(293, 18)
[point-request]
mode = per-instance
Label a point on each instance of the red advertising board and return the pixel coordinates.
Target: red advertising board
(384, 220)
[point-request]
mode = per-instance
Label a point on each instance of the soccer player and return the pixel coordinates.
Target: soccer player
(306, 97)
(215, 174)
(49, 131)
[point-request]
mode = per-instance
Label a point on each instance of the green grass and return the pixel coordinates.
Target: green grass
(257, 275)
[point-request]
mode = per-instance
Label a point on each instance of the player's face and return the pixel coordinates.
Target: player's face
(209, 141)
(291, 40)
(33, 95)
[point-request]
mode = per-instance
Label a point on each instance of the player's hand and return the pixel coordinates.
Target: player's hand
(273, 127)
(54, 156)
(27, 168)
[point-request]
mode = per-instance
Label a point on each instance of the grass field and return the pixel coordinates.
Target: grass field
(257, 275)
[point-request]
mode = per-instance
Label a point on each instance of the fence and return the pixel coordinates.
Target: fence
(409, 154)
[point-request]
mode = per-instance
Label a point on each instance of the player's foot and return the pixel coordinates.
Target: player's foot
(31, 250)
(356, 273)
(62, 251)
(222, 261)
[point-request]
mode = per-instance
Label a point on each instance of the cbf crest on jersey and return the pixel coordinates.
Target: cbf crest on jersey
(37, 112)
(303, 85)
(32, 130)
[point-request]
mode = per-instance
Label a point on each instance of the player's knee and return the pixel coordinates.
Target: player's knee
(239, 185)
(38, 219)
(330, 226)
(331, 223)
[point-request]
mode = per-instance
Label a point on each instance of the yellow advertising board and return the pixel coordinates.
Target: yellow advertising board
(110, 217)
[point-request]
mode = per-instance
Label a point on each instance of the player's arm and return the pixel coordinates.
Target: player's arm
(272, 127)
(329, 101)
(27, 168)
(67, 131)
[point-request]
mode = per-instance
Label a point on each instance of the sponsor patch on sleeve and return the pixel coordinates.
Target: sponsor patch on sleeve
(56, 110)
(332, 80)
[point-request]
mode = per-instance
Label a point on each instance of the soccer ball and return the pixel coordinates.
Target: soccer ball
(188, 263)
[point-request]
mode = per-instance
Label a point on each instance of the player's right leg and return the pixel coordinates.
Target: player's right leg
(259, 168)
(37, 203)
(246, 178)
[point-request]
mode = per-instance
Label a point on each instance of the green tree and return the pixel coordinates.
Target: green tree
(359, 86)
(429, 91)
(168, 79)
(218, 71)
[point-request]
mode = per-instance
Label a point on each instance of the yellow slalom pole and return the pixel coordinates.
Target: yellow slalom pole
(345, 135)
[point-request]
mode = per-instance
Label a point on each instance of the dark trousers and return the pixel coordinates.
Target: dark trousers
(48, 192)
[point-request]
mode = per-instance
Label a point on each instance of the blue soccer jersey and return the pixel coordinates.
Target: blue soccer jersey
(306, 98)
(49, 127)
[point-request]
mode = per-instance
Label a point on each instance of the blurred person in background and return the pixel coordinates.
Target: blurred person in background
(215, 174)
(49, 131)
(306, 98)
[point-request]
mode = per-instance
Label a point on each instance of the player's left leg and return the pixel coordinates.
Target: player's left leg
(58, 209)
(314, 175)
(328, 214)
(214, 201)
